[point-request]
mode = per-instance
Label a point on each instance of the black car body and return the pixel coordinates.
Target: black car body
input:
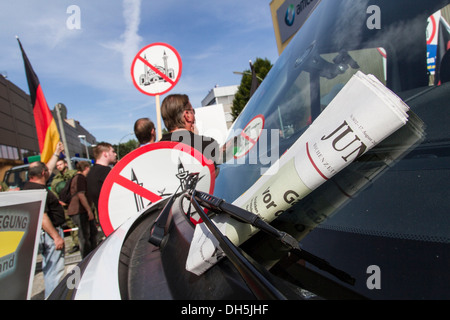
(390, 234)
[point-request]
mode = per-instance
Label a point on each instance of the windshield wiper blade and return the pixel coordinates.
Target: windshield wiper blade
(258, 281)
(219, 205)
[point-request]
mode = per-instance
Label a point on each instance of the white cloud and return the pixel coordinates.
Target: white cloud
(131, 40)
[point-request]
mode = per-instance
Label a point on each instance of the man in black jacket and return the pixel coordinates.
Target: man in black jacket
(179, 118)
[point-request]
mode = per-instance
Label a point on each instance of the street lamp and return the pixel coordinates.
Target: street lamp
(247, 73)
(83, 137)
(118, 145)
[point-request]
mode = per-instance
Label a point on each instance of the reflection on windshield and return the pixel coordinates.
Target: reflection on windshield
(393, 198)
(325, 54)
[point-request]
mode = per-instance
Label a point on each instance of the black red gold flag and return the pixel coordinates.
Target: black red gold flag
(47, 131)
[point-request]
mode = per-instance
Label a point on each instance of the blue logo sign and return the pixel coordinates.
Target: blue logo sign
(290, 15)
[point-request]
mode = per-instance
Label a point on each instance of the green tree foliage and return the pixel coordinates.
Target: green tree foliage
(124, 148)
(262, 68)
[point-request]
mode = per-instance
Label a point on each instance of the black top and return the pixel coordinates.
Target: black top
(95, 178)
(53, 208)
(206, 145)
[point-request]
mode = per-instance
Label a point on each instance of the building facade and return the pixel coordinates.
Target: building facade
(18, 138)
(224, 96)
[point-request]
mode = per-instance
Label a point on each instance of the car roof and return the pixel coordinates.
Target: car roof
(23, 166)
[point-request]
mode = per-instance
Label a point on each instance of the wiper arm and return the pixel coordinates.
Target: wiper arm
(159, 230)
(219, 205)
(257, 281)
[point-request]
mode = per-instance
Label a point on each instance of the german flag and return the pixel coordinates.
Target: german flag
(47, 131)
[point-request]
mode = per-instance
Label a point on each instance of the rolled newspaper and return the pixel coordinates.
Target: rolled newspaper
(329, 198)
(362, 114)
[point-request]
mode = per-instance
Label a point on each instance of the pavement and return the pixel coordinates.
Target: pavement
(71, 260)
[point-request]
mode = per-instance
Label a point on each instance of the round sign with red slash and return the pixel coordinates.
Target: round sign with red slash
(156, 69)
(249, 136)
(431, 30)
(147, 175)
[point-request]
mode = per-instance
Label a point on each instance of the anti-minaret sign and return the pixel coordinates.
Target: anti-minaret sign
(156, 70)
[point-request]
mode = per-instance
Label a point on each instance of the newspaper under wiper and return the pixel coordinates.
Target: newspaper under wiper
(363, 114)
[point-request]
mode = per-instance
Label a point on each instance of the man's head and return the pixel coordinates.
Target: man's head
(104, 154)
(38, 172)
(61, 165)
(177, 112)
(144, 129)
(83, 167)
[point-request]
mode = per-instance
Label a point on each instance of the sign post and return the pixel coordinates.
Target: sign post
(156, 70)
(158, 116)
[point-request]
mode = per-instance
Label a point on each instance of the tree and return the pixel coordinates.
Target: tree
(124, 148)
(242, 96)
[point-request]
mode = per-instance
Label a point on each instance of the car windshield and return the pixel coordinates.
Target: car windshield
(16, 177)
(394, 196)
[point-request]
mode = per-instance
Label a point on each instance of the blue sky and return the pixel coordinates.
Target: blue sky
(88, 69)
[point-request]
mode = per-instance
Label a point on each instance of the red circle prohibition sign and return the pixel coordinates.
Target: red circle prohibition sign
(161, 74)
(156, 172)
(247, 135)
(434, 29)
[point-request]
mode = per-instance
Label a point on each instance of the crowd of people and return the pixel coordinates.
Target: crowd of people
(80, 214)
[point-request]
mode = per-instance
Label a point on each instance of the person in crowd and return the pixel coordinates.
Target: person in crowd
(144, 129)
(105, 157)
(59, 181)
(80, 210)
(64, 174)
(179, 119)
(51, 164)
(51, 244)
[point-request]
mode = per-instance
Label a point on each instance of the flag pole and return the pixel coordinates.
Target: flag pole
(63, 135)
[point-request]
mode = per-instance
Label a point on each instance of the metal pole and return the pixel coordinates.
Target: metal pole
(87, 150)
(158, 117)
(63, 135)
